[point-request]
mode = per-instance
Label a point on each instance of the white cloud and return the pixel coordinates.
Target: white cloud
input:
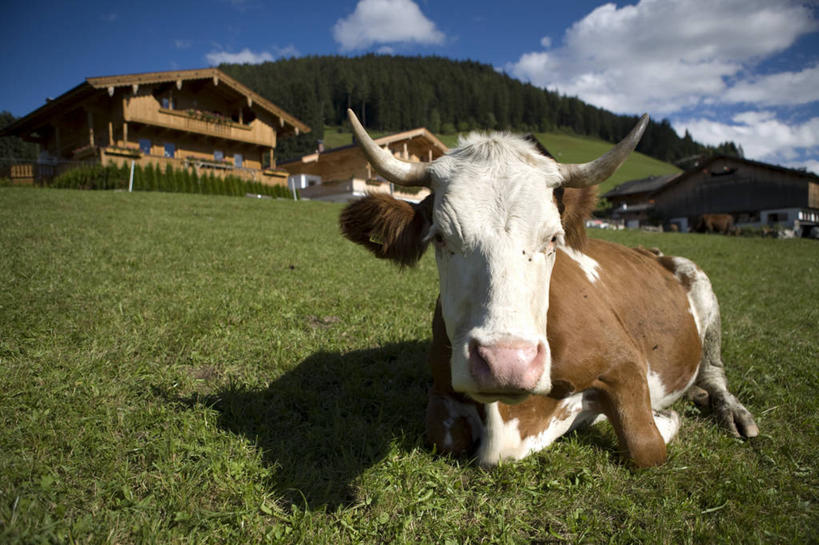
(666, 55)
(546, 42)
(785, 88)
(286, 51)
(762, 136)
(245, 56)
(182, 44)
(385, 21)
(812, 166)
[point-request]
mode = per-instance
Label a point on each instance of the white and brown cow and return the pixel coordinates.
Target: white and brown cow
(537, 329)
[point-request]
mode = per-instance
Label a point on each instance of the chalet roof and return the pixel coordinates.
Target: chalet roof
(93, 85)
(643, 185)
(420, 132)
(706, 164)
(655, 184)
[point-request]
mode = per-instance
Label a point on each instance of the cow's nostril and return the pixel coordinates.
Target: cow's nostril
(512, 365)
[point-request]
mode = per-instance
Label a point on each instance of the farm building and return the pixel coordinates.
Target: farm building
(755, 194)
(198, 119)
(633, 202)
(343, 174)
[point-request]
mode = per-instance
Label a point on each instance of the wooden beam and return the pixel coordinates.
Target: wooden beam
(110, 133)
(134, 88)
(110, 90)
(125, 132)
(179, 85)
(90, 117)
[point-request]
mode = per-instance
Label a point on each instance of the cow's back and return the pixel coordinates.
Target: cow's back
(631, 307)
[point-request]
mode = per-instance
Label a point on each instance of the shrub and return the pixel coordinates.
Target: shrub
(167, 179)
(92, 177)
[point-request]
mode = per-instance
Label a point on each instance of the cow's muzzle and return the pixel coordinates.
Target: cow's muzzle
(511, 366)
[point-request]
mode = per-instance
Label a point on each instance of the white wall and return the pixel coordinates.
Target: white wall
(302, 181)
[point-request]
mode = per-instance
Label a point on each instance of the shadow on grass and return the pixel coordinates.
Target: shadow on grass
(330, 418)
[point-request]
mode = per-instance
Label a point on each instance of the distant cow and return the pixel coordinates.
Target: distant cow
(715, 223)
(538, 330)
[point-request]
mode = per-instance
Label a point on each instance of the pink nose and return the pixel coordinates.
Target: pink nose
(510, 366)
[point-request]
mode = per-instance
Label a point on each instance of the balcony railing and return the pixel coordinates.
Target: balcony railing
(198, 123)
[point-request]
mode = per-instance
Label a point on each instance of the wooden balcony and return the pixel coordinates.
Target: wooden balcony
(182, 120)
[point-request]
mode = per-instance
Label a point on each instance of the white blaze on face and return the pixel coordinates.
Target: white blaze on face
(495, 229)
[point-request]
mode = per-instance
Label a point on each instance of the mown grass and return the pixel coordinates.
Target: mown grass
(193, 369)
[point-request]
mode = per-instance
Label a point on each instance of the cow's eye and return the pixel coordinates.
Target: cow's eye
(551, 245)
(439, 240)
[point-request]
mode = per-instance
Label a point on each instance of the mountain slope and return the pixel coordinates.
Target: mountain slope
(392, 93)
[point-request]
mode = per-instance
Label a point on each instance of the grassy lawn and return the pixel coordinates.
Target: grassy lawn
(197, 369)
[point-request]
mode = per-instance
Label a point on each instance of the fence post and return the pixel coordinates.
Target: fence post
(131, 179)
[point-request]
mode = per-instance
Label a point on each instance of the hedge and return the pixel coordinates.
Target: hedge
(169, 180)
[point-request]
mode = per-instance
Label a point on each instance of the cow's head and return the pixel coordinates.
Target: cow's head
(493, 219)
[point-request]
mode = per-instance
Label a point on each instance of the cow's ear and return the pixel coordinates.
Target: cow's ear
(389, 228)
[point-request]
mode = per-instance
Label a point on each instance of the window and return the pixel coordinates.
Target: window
(166, 103)
(237, 160)
(218, 155)
(145, 146)
(170, 149)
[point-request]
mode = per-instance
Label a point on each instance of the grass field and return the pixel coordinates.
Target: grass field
(197, 369)
(566, 148)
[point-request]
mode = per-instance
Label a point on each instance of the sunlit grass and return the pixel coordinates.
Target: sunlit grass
(192, 369)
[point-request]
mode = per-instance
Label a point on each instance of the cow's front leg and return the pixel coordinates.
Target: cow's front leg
(642, 433)
(453, 424)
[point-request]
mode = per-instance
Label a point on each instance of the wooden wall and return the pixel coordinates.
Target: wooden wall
(732, 187)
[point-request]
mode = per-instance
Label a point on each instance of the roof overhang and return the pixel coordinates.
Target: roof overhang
(421, 133)
(287, 123)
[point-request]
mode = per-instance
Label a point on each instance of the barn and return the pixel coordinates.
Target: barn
(756, 195)
(633, 201)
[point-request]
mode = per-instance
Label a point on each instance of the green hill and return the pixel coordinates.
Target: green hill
(566, 148)
(394, 93)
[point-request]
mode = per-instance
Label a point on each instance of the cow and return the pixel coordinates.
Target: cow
(715, 223)
(538, 329)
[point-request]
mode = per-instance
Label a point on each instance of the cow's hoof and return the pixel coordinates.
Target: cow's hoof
(699, 396)
(733, 417)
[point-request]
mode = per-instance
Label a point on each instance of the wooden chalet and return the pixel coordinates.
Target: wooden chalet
(344, 174)
(755, 194)
(200, 119)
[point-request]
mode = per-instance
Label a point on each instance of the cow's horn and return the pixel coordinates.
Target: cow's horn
(597, 171)
(391, 168)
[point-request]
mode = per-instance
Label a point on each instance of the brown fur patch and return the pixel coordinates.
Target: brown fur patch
(575, 206)
(389, 228)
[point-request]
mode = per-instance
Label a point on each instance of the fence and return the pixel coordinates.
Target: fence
(26, 171)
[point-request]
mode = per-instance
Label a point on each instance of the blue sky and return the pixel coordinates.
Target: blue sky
(741, 70)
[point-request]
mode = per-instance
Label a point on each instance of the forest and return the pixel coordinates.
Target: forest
(393, 93)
